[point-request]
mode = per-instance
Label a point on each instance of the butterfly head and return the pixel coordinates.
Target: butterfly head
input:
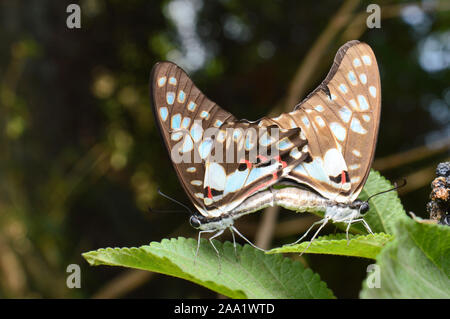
(196, 221)
(201, 222)
(362, 206)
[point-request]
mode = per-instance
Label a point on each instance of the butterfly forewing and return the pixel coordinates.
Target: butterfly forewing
(181, 111)
(340, 122)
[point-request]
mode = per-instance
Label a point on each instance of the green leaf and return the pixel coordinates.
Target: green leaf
(415, 265)
(254, 275)
(385, 209)
(368, 246)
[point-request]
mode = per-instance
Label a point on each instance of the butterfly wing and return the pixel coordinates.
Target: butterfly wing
(195, 130)
(340, 120)
(181, 111)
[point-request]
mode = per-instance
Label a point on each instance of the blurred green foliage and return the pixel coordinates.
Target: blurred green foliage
(80, 157)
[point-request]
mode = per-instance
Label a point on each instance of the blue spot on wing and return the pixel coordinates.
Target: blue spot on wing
(163, 112)
(176, 121)
(170, 98)
(235, 181)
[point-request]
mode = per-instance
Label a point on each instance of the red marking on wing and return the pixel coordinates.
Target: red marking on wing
(209, 193)
(343, 179)
(270, 181)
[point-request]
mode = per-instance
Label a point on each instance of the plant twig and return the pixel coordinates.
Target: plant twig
(413, 155)
(265, 231)
(313, 58)
(127, 281)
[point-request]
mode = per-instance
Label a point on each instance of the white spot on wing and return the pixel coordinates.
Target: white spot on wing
(363, 105)
(176, 121)
(295, 153)
(185, 123)
(314, 169)
(176, 136)
(338, 130)
(366, 60)
(163, 112)
(320, 121)
(188, 145)
(284, 144)
(204, 115)
(170, 97)
(318, 108)
(334, 163)
(373, 91)
(352, 77)
(181, 96)
(162, 81)
(205, 148)
(363, 78)
(356, 153)
(355, 179)
(356, 62)
(215, 176)
(305, 121)
(356, 126)
(221, 136)
(196, 132)
(345, 114)
(191, 106)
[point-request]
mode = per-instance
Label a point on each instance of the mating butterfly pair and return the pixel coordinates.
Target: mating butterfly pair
(322, 150)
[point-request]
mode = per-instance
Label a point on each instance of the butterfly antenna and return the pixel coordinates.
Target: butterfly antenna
(173, 200)
(389, 190)
(158, 211)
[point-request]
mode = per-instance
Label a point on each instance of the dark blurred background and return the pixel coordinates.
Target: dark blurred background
(80, 157)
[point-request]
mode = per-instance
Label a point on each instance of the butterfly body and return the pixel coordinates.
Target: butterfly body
(302, 200)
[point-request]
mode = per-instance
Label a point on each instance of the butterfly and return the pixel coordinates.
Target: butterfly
(322, 150)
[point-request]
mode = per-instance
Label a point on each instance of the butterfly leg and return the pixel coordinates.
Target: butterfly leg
(365, 224)
(198, 242)
(348, 228)
(220, 232)
(325, 221)
(306, 233)
(248, 241)
(234, 244)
